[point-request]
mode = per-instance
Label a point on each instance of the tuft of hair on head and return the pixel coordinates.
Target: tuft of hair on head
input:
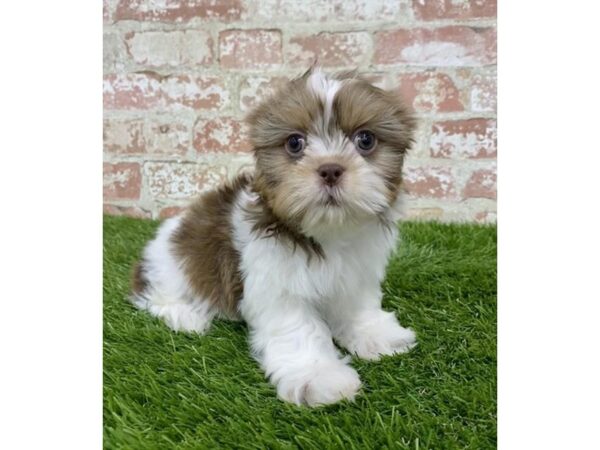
(351, 74)
(316, 67)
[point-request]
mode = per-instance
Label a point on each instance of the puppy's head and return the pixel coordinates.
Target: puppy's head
(329, 149)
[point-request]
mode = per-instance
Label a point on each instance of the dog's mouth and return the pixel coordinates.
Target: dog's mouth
(331, 197)
(330, 200)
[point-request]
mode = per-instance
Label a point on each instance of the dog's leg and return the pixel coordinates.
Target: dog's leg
(163, 289)
(359, 324)
(295, 348)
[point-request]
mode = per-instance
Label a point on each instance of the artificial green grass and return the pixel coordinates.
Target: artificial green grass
(172, 390)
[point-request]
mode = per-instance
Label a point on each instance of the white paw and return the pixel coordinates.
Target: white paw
(187, 317)
(320, 385)
(375, 338)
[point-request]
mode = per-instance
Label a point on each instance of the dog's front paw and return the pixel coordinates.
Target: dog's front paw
(382, 336)
(322, 384)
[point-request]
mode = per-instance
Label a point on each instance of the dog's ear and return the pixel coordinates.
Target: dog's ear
(406, 121)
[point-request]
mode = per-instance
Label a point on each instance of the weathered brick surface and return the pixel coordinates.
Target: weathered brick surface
(424, 213)
(106, 15)
(254, 89)
(452, 9)
(430, 92)
(180, 75)
(140, 91)
(114, 53)
(481, 184)
(173, 48)
(161, 136)
(436, 182)
(122, 181)
(178, 11)
(194, 92)
(315, 11)
(329, 49)
(482, 95)
(124, 136)
(445, 46)
(177, 181)
(486, 217)
(168, 136)
(130, 211)
(370, 10)
(180, 181)
(224, 134)
(131, 91)
(249, 49)
(472, 138)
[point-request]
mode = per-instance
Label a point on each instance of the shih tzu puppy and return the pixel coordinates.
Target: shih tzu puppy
(298, 248)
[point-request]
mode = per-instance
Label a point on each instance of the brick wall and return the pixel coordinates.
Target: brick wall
(180, 74)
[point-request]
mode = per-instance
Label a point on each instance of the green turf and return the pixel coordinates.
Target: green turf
(172, 390)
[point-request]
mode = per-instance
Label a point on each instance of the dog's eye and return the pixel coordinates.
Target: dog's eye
(364, 141)
(295, 144)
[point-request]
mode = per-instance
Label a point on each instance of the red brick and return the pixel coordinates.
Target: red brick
(124, 136)
(483, 92)
(274, 11)
(182, 181)
(179, 10)
(167, 136)
(430, 92)
(481, 184)
(436, 182)
(174, 180)
(149, 90)
(202, 92)
(220, 135)
(324, 10)
(170, 48)
(255, 89)
(122, 181)
(249, 49)
(129, 211)
(472, 138)
(446, 46)
(330, 49)
(131, 91)
(354, 10)
(451, 9)
(169, 211)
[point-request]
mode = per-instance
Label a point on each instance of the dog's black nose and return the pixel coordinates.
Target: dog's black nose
(330, 173)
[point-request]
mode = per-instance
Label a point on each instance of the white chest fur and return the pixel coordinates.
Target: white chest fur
(354, 257)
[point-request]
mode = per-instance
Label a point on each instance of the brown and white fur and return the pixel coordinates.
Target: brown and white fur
(297, 249)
